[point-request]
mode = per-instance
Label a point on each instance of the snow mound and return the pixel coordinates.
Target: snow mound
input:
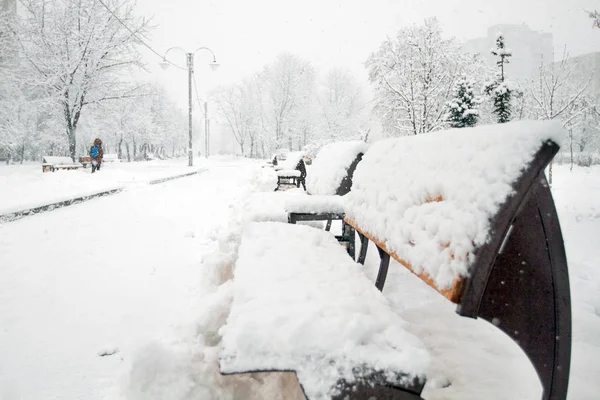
(430, 197)
(304, 305)
(314, 204)
(331, 166)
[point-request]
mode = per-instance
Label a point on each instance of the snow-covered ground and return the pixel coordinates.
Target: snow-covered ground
(108, 275)
(137, 274)
(26, 186)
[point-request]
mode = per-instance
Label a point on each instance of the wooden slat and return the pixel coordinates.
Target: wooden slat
(453, 294)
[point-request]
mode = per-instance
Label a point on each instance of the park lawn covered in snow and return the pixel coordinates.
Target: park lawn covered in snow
(161, 298)
(26, 186)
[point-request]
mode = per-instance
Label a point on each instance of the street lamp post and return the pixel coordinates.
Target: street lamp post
(190, 68)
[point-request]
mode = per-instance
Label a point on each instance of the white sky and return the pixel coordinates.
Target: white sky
(247, 34)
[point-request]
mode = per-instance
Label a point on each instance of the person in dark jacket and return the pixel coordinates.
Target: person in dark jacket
(96, 153)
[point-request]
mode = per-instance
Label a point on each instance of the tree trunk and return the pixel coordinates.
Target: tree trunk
(571, 146)
(128, 152)
(71, 130)
(22, 152)
(134, 150)
(120, 148)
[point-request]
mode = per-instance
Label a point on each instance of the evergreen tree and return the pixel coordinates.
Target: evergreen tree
(463, 108)
(500, 90)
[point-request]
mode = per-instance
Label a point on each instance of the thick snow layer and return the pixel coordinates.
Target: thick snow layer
(300, 303)
(399, 184)
(112, 273)
(331, 166)
(155, 300)
(315, 204)
(292, 159)
(288, 172)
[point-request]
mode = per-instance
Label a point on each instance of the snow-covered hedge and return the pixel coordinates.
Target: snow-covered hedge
(331, 166)
(399, 184)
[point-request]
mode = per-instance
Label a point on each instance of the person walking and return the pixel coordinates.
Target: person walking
(96, 153)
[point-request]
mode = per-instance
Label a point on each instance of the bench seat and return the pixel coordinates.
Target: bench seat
(285, 173)
(301, 304)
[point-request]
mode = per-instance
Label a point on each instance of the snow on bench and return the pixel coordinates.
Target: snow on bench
(433, 208)
(331, 172)
(292, 168)
(52, 163)
(288, 173)
(303, 305)
(470, 212)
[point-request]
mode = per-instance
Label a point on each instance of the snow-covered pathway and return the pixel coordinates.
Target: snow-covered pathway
(103, 276)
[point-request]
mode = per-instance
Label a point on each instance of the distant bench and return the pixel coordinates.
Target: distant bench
(476, 222)
(291, 169)
(329, 178)
(54, 163)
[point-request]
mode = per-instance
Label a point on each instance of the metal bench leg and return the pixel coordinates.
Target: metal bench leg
(348, 233)
(328, 225)
(383, 269)
(364, 245)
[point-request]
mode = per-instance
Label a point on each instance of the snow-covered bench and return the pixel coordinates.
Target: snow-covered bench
(472, 215)
(53, 163)
(476, 221)
(301, 304)
(329, 178)
(291, 169)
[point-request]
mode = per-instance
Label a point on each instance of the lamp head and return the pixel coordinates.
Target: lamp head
(164, 64)
(214, 65)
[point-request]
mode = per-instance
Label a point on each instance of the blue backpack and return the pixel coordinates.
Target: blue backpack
(95, 151)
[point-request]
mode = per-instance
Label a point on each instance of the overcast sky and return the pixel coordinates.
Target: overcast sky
(247, 34)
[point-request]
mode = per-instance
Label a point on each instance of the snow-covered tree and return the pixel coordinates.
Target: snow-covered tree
(342, 107)
(499, 90)
(77, 54)
(463, 109)
(286, 90)
(413, 76)
(236, 105)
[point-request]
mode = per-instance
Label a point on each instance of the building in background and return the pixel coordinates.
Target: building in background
(527, 46)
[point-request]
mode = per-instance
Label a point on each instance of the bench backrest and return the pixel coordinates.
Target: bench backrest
(470, 212)
(332, 170)
(57, 160)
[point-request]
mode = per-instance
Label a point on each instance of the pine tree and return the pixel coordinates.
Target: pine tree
(500, 90)
(463, 108)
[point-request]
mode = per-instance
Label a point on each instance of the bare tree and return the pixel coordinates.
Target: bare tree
(556, 95)
(78, 52)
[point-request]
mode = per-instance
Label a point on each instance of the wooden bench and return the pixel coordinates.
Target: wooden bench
(512, 270)
(330, 176)
(54, 163)
(475, 221)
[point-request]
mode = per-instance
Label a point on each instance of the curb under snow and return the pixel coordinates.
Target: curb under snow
(13, 216)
